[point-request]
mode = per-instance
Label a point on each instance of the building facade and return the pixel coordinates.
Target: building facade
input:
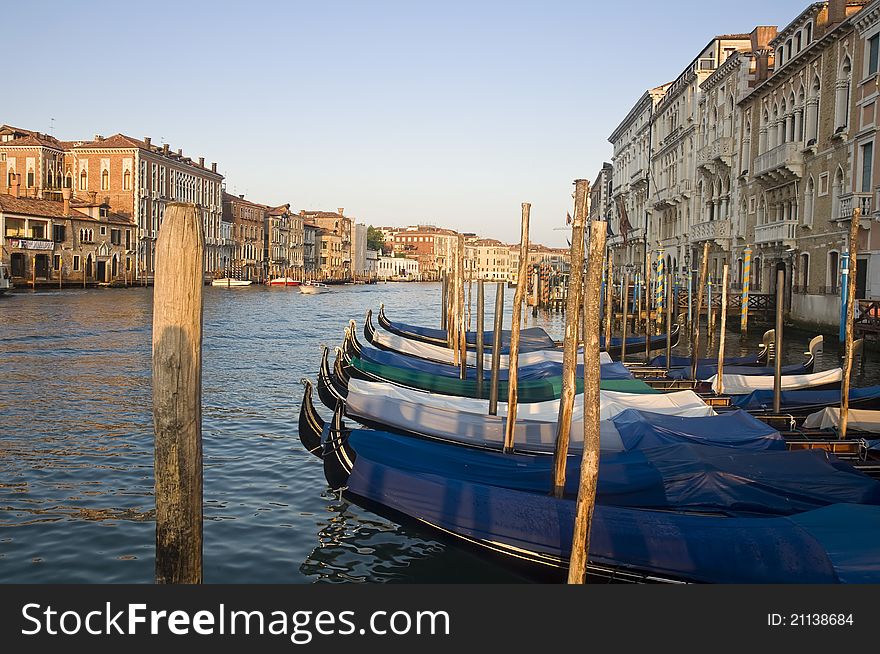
(248, 221)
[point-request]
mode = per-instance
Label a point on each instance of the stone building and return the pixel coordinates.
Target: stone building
(310, 250)
(340, 225)
(433, 247)
(248, 231)
(631, 181)
(277, 241)
(798, 128)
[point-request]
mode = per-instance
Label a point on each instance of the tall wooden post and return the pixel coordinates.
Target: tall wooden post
(515, 320)
(177, 395)
(625, 322)
(721, 338)
(649, 287)
(462, 331)
(569, 357)
(695, 344)
(746, 285)
(609, 302)
(586, 497)
(670, 300)
(777, 364)
(496, 349)
(481, 309)
(850, 317)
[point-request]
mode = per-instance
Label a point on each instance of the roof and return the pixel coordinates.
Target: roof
(34, 207)
(280, 210)
(35, 140)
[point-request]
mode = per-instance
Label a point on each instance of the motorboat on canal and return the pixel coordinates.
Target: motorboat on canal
(313, 288)
(283, 281)
(228, 282)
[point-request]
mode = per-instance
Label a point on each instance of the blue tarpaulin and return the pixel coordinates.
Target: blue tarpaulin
(738, 429)
(542, 370)
(531, 339)
(831, 545)
(673, 477)
(763, 399)
(708, 371)
(685, 362)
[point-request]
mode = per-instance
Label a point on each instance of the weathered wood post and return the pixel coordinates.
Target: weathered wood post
(586, 497)
(722, 336)
(569, 357)
(481, 334)
(850, 318)
(670, 300)
(695, 343)
(515, 320)
(177, 395)
(496, 349)
(462, 331)
(625, 322)
(777, 363)
(609, 302)
(649, 297)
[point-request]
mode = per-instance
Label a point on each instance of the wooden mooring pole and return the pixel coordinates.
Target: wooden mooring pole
(777, 363)
(496, 348)
(670, 300)
(462, 328)
(586, 497)
(720, 385)
(177, 395)
(481, 335)
(695, 343)
(444, 289)
(850, 318)
(515, 320)
(609, 302)
(570, 342)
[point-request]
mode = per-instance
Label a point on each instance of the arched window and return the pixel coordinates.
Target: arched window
(83, 181)
(50, 178)
(812, 120)
(105, 180)
(126, 180)
(805, 272)
(762, 133)
(836, 192)
(809, 202)
(841, 97)
(755, 282)
(832, 272)
(68, 183)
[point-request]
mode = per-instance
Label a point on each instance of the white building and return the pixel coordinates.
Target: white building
(397, 268)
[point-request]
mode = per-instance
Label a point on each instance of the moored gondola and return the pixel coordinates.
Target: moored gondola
(311, 425)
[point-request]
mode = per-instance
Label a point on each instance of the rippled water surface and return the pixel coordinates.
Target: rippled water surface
(76, 454)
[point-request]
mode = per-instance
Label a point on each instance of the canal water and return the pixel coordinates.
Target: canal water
(76, 454)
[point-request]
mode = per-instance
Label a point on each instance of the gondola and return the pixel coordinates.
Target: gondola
(441, 354)
(706, 371)
(534, 338)
(804, 402)
(760, 359)
(672, 546)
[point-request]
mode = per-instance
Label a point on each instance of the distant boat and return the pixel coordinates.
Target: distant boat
(311, 288)
(283, 281)
(229, 282)
(5, 279)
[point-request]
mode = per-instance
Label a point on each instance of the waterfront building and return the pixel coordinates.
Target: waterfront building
(677, 200)
(37, 158)
(433, 247)
(491, 260)
(397, 268)
(330, 255)
(47, 241)
(359, 249)
(296, 244)
(310, 250)
(248, 231)
(340, 225)
(277, 241)
(631, 181)
(865, 182)
(600, 194)
(229, 248)
(799, 128)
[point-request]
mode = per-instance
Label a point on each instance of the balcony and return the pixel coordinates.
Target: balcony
(782, 233)
(850, 202)
(640, 176)
(710, 230)
(718, 151)
(781, 164)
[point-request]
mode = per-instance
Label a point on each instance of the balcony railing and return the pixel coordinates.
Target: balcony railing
(779, 232)
(787, 155)
(719, 149)
(849, 202)
(710, 230)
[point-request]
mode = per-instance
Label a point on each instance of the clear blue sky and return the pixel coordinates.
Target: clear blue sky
(447, 112)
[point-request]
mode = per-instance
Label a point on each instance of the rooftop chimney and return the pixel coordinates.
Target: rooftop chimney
(214, 167)
(65, 194)
(93, 197)
(98, 137)
(760, 38)
(241, 195)
(201, 162)
(147, 141)
(179, 152)
(16, 183)
(340, 211)
(836, 12)
(165, 149)
(107, 200)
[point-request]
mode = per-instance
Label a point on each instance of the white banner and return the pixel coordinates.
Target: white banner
(23, 244)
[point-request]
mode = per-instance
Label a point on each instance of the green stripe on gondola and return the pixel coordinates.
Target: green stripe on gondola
(535, 390)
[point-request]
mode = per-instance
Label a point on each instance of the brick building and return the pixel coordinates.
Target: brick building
(339, 225)
(248, 231)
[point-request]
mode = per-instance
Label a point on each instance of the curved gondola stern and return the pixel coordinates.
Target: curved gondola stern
(328, 388)
(817, 346)
(311, 424)
(768, 342)
(383, 319)
(339, 456)
(340, 365)
(369, 329)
